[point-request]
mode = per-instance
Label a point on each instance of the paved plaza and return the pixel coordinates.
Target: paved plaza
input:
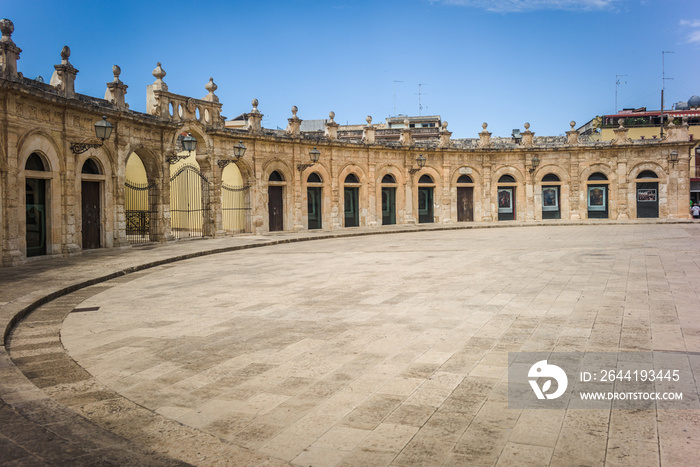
(352, 351)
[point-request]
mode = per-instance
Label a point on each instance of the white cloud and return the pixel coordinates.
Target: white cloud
(507, 6)
(694, 35)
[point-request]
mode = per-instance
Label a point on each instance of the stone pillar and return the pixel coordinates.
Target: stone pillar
(676, 133)
(484, 137)
(9, 52)
(63, 78)
(444, 136)
(486, 195)
(12, 206)
(294, 125)
(368, 132)
(572, 135)
(331, 127)
(254, 119)
(622, 183)
(406, 134)
(116, 90)
(528, 136)
(621, 134)
(153, 104)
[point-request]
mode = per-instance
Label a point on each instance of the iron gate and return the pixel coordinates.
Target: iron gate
(141, 206)
(189, 205)
(235, 206)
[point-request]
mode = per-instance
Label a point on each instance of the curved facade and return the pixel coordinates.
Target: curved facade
(52, 209)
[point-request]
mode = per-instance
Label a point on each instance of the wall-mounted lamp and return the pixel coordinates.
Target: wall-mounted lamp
(314, 155)
(103, 130)
(673, 158)
(535, 163)
(420, 160)
(189, 144)
(238, 152)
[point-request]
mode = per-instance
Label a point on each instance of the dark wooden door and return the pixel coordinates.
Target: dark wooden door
(465, 204)
(647, 200)
(388, 205)
(90, 194)
(425, 204)
(352, 210)
(275, 208)
(36, 216)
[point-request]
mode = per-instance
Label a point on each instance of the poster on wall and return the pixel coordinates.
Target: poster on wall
(596, 198)
(505, 200)
(550, 199)
(646, 195)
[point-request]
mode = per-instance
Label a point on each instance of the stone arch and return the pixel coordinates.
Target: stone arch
(520, 198)
(106, 194)
(400, 194)
(662, 177)
(151, 161)
(38, 141)
(326, 200)
(612, 199)
(477, 184)
(564, 185)
(437, 195)
(363, 193)
(287, 188)
(205, 144)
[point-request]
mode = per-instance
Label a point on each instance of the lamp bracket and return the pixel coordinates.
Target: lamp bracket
(176, 159)
(302, 167)
(413, 171)
(79, 148)
(224, 162)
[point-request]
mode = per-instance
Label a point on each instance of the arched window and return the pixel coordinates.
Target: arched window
(90, 167)
(35, 162)
(276, 177)
(425, 179)
(506, 179)
(550, 178)
(388, 178)
(314, 178)
(647, 174)
(464, 179)
(351, 178)
(598, 176)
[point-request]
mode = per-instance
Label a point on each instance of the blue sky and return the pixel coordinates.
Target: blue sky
(505, 62)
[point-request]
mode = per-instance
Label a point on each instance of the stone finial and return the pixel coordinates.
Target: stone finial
(527, 135)
(406, 138)
(294, 126)
(116, 90)
(368, 132)
(7, 27)
(621, 121)
(159, 74)
(331, 127)
(369, 119)
(621, 134)
(9, 52)
(444, 136)
(211, 87)
(254, 119)
(527, 126)
(64, 75)
(484, 136)
(572, 134)
(406, 123)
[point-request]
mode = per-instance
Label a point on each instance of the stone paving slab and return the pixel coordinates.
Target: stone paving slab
(327, 372)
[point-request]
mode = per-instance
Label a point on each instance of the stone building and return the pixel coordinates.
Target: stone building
(63, 189)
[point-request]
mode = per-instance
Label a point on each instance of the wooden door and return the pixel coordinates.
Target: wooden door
(92, 222)
(388, 205)
(465, 204)
(352, 210)
(275, 208)
(425, 205)
(313, 195)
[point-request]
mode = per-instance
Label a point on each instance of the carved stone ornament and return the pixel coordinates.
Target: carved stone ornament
(191, 106)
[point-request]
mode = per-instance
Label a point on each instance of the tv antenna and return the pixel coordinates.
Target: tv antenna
(395, 81)
(617, 84)
(420, 105)
(663, 87)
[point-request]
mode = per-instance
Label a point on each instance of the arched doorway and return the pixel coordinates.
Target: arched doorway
(140, 203)
(351, 197)
(36, 204)
(275, 201)
(314, 201)
(91, 206)
(389, 186)
(465, 199)
(551, 193)
(426, 187)
(598, 196)
(235, 204)
(647, 194)
(506, 198)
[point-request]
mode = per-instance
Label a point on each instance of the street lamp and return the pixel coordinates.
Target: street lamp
(420, 160)
(535, 163)
(673, 158)
(103, 130)
(314, 155)
(238, 152)
(189, 144)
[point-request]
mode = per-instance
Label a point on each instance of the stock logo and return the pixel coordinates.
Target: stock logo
(551, 372)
